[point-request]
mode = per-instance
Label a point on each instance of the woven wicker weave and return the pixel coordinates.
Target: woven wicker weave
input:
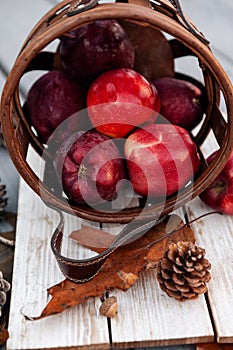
(186, 40)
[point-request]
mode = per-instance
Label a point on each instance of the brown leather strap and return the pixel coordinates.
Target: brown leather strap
(78, 270)
(74, 269)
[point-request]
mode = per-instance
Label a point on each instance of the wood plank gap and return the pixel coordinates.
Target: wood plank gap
(108, 318)
(109, 325)
(211, 316)
(187, 219)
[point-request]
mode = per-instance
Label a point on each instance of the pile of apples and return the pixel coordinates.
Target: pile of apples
(110, 123)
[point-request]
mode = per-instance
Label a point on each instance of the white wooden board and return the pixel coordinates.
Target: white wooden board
(215, 234)
(150, 318)
(35, 270)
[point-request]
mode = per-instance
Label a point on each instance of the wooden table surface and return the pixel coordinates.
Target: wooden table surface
(146, 317)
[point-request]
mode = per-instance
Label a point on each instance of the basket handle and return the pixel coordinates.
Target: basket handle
(84, 270)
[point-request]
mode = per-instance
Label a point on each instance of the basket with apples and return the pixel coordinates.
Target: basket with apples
(122, 133)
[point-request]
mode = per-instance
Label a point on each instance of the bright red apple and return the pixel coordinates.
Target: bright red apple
(161, 159)
(90, 167)
(182, 103)
(219, 195)
(119, 100)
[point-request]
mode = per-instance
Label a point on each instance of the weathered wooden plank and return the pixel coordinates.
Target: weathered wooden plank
(35, 270)
(148, 317)
(214, 233)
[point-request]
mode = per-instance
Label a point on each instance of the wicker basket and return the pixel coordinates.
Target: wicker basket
(183, 40)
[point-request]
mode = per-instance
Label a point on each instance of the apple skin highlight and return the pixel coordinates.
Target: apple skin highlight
(119, 100)
(161, 159)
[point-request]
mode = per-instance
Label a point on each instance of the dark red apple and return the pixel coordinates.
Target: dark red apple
(219, 195)
(95, 48)
(119, 100)
(161, 159)
(52, 99)
(90, 167)
(182, 102)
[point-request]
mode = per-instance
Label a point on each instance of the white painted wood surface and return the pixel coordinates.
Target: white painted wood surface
(147, 317)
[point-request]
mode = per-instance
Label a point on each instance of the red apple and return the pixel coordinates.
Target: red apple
(52, 99)
(219, 195)
(119, 100)
(90, 167)
(94, 48)
(161, 159)
(182, 103)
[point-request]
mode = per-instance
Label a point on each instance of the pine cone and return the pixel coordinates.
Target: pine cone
(4, 288)
(183, 271)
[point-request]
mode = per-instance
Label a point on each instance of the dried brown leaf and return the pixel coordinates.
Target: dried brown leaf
(122, 269)
(92, 238)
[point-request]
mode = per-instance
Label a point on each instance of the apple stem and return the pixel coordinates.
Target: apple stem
(82, 170)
